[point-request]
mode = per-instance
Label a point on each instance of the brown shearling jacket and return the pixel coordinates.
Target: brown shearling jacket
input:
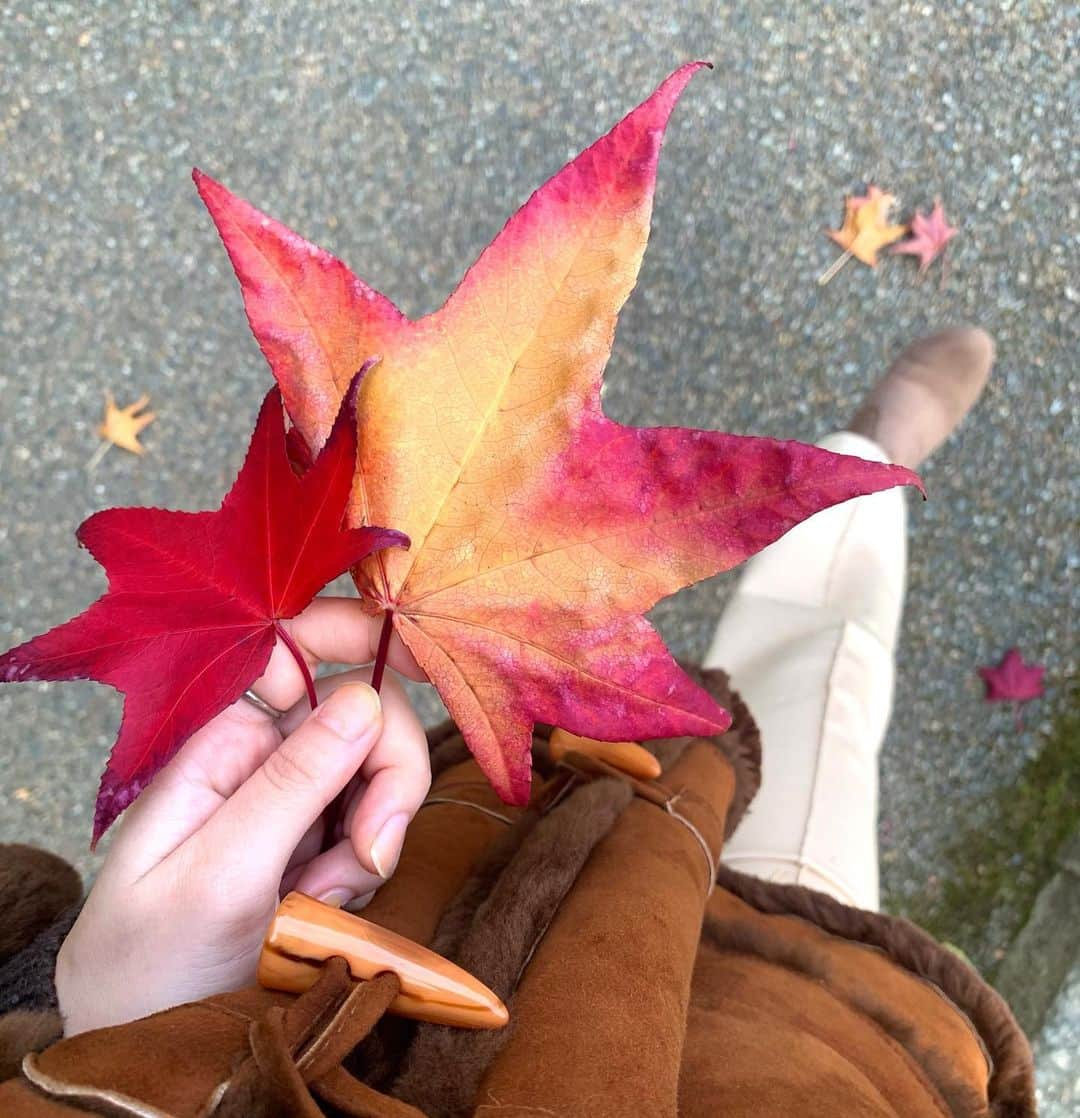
(642, 980)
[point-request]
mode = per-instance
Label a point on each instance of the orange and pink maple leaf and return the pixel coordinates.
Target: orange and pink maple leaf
(541, 530)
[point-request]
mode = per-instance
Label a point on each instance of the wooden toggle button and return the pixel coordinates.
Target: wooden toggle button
(626, 756)
(305, 933)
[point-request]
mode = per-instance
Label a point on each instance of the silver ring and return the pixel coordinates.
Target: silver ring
(262, 704)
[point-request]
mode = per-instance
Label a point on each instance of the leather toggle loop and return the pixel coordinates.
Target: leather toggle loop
(351, 1022)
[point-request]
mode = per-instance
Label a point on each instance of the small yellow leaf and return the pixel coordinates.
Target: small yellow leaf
(122, 425)
(866, 226)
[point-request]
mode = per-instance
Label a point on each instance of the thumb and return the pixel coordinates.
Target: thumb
(274, 808)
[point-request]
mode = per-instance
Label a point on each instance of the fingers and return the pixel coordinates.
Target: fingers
(310, 846)
(266, 819)
(334, 631)
(221, 756)
(397, 773)
(336, 876)
(206, 771)
(394, 793)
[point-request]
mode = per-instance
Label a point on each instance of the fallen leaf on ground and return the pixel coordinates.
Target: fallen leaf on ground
(542, 530)
(930, 234)
(194, 599)
(866, 229)
(122, 425)
(1013, 681)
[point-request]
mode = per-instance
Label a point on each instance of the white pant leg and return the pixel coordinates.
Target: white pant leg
(808, 639)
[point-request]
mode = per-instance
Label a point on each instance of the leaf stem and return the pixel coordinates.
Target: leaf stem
(301, 663)
(335, 814)
(384, 647)
(96, 457)
(835, 267)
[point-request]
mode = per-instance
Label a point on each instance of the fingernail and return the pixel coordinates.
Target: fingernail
(350, 711)
(336, 897)
(386, 849)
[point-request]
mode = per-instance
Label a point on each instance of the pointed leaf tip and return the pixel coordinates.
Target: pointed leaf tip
(204, 184)
(673, 85)
(314, 321)
(914, 480)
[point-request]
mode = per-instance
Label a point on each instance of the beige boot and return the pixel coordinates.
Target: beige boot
(928, 390)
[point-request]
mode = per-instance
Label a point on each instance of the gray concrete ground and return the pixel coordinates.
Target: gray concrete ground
(401, 136)
(1056, 1055)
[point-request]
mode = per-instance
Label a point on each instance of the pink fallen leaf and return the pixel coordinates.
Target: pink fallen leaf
(1013, 681)
(930, 233)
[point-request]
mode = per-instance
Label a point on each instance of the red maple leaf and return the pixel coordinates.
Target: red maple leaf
(195, 599)
(1013, 681)
(542, 530)
(930, 234)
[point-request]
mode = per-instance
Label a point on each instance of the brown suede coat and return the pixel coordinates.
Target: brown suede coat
(635, 986)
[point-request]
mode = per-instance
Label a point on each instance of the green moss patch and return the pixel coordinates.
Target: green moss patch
(999, 862)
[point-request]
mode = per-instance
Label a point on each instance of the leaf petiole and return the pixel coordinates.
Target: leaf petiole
(96, 457)
(835, 267)
(301, 663)
(384, 647)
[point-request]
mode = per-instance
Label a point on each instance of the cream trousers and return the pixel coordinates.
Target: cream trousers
(809, 639)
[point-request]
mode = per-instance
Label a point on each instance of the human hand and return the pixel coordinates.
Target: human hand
(236, 819)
